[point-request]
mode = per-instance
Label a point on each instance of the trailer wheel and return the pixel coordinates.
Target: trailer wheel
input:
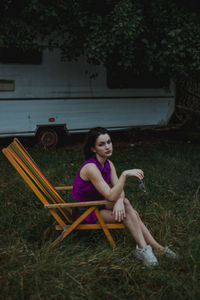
(48, 138)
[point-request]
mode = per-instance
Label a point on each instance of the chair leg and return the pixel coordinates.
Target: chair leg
(105, 228)
(73, 226)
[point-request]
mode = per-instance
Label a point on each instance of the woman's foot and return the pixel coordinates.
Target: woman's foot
(168, 252)
(146, 254)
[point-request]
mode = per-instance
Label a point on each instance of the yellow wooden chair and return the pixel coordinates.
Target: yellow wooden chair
(48, 195)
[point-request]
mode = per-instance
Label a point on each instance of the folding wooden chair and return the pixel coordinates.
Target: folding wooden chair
(48, 195)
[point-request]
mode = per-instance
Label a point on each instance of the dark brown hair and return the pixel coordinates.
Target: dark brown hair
(93, 134)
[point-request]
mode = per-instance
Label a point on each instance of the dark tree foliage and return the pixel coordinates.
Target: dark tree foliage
(159, 37)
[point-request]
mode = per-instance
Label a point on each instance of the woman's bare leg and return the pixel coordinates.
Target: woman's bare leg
(131, 222)
(149, 238)
(134, 224)
(146, 233)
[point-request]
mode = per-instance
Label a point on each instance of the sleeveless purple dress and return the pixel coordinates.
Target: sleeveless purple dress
(85, 191)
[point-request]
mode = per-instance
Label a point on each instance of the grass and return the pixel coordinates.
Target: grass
(84, 266)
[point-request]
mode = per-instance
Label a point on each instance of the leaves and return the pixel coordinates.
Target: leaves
(158, 36)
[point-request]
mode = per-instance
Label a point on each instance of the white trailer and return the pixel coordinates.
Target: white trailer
(41, 99)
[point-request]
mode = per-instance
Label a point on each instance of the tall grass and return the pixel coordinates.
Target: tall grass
(84, 266)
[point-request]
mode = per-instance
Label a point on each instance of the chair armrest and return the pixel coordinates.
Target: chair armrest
(63, 188)
(77, 204)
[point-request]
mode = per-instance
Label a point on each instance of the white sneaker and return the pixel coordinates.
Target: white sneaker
(170, 253)
(147, 255)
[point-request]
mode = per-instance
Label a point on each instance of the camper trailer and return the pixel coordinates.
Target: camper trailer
(42, 95)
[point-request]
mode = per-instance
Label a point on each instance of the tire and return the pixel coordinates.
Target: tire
(48, 138)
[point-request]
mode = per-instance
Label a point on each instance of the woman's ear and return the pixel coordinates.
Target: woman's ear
(93, 149)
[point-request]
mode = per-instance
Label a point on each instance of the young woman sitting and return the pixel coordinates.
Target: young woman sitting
(97, 180)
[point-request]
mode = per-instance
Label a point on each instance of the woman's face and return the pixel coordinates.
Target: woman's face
(103, 146)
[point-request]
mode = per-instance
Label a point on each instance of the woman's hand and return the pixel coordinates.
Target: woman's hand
(119, 210)
(138, 173)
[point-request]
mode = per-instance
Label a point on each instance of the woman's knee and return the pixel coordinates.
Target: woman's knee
(127, 202)
(129, 207)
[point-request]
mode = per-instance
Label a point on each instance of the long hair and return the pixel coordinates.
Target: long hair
(90, 142)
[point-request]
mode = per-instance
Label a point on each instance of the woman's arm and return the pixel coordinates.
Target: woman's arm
(118, 208)
(114, 178)
(91, 172)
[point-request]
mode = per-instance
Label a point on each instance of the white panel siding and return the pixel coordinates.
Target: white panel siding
(19, 116)
(55, 78)
(63, 90)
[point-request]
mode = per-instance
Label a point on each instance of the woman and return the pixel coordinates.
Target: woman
(97, 180)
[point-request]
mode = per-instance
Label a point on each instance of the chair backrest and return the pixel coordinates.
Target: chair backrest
(27, 168)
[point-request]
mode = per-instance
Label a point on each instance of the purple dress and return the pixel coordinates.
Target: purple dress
(85, 190)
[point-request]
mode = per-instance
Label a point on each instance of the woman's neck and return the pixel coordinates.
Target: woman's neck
(101, 159)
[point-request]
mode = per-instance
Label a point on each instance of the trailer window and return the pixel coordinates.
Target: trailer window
(7, 85)
(117, 78)
(18, 56)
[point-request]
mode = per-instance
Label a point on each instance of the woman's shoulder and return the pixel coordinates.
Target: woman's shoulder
(111, 163)
(89, 171)
(92, 165)
(89, 166)
(87, 162)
